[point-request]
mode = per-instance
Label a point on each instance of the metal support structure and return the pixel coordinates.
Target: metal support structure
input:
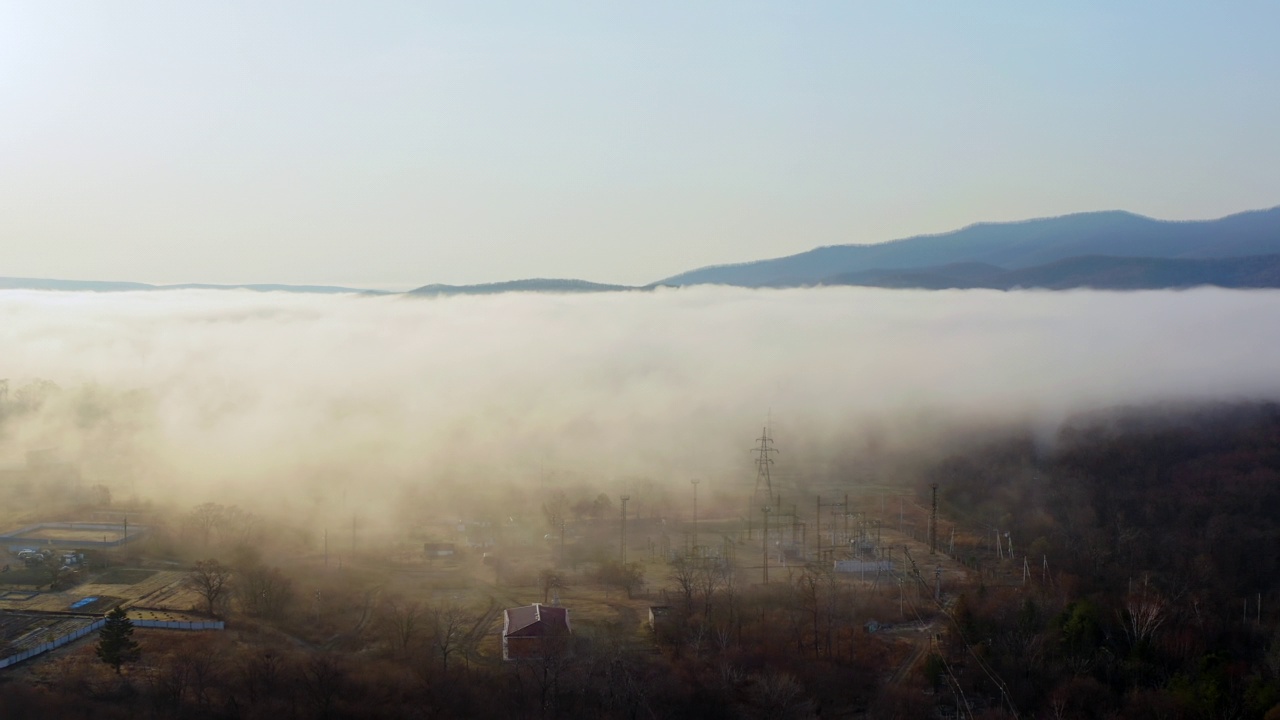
(695, 482)
(764, 543)
(933, 522)
(817, 533)
(763, 461)
(624, 499)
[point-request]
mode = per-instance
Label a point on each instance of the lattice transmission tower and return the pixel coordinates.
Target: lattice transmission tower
(764, 479)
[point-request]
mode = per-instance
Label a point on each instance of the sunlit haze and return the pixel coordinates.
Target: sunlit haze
(557, 360)
(296, 398)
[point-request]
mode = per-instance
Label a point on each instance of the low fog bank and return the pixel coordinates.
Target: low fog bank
(317, 403)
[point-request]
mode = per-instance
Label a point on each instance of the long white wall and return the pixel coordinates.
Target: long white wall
(93, 627)
(52, 644)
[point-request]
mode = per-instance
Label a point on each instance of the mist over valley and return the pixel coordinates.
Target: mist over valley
(294, 398)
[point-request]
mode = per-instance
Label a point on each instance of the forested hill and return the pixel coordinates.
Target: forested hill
(1149, 534)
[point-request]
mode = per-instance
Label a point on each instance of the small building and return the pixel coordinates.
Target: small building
(534, 631)
(863, 566)
(658, 615)
(433, 549)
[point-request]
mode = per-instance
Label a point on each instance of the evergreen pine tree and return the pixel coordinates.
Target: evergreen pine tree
(115, 640)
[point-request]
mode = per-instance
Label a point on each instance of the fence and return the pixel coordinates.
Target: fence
(52, 644)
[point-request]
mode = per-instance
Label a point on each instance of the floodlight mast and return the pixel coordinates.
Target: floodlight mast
(933, 522)
(695, 482)
(765, 542)
(624, 499)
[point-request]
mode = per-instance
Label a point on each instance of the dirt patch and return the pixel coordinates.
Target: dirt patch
(24, 576)
(123, 576)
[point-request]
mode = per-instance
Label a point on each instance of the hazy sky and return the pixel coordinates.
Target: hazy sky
(394, 144)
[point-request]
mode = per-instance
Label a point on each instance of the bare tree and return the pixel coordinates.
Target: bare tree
(322, 679)
(1145, 610)
(184, 678)
(260, 675)
(548, 671)
(815, 596)
(204, 519)
(210, 579)
(627, 576)
(808, 600)
(100, 495)
(238, 527)
(53, 572)
(777, 695)
(551, 580)
(402, 621)
(450, 623)
(555, 509)
(263, 591)
(732, 601)
(710, 578)
(684, 575)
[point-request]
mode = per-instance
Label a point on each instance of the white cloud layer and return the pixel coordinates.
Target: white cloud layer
(192, 390)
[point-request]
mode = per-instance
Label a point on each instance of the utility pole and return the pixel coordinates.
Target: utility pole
(933, 522)
(764, 543)
(624, 498)
(695, 482)
(353, 536)
(818, 530)
(845, 507)
(326, 547)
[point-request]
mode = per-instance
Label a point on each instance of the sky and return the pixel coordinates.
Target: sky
(395, 144)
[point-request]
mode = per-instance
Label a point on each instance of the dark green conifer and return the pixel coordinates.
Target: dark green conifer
(115, 640)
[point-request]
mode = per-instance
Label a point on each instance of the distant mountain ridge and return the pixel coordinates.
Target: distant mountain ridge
(1012, 246)
(531, 285)
(1092, 271)
(16, 283)
(1106, 250)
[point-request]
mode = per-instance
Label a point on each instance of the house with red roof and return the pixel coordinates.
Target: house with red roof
(534, 631)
